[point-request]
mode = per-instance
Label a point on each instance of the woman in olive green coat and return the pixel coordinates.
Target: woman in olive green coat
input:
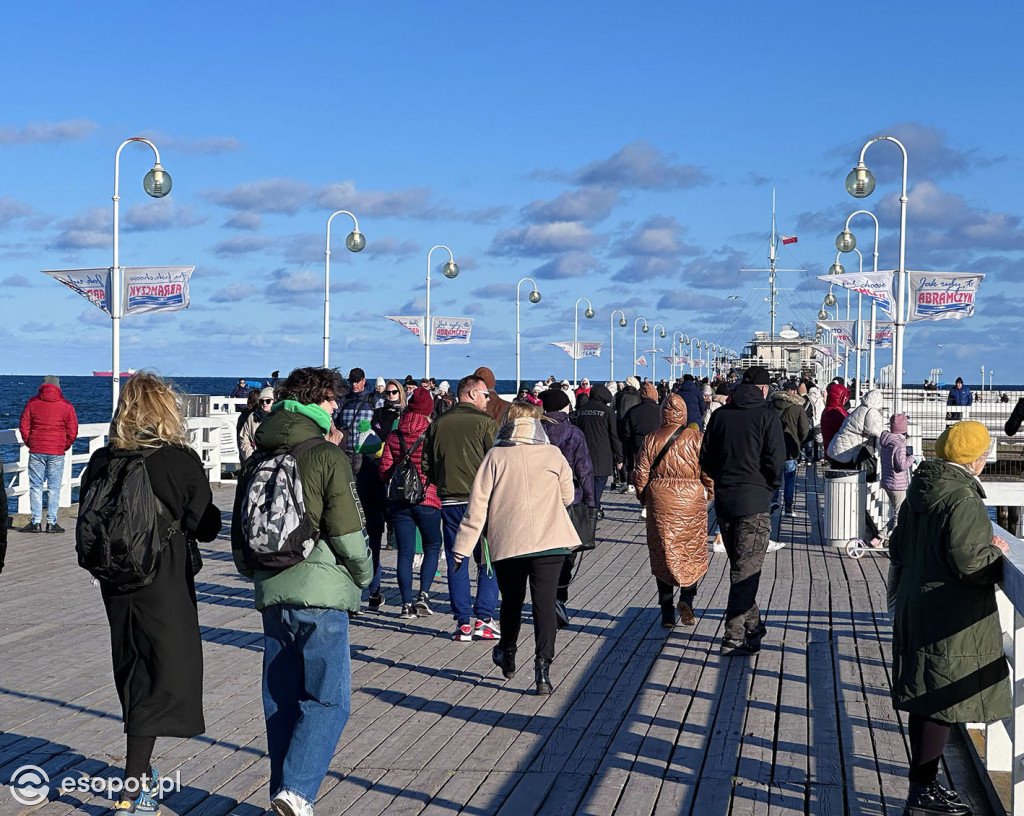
(948, 662)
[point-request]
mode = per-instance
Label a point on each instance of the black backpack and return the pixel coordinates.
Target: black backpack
(405, 484)
(119, 535)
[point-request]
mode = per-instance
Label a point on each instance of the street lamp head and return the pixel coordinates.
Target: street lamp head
(450, 269)
(846, 241)
(860, 183)
(822, 315)
(534, 296)
(644, 329)
(663, 333)
(355, 241)
(830, 299)
(157, 182)
(836, 269)
(588, 313)
(622, 322)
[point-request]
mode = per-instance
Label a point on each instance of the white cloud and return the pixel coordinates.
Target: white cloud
(543, 239)
(67, 130)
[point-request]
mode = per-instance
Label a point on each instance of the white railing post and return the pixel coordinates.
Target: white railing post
(24, 506)
(65, 480)
(1017, 676)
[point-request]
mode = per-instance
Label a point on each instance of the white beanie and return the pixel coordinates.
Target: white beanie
(444, 387)
(380, 382)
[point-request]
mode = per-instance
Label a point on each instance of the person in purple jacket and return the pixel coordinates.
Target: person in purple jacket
(895, 463)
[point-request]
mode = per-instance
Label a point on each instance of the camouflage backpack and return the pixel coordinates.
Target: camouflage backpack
(277, 532)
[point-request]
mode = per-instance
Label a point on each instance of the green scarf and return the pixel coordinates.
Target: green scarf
(314, 412)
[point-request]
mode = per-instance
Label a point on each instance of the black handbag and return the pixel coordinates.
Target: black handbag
(584, 520)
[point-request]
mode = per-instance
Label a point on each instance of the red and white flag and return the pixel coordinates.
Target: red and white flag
(641, 360)
(788, 239)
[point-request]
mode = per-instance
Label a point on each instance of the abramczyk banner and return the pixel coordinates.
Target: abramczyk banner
(877, 285)
(145, 288)
(583, 349)
(842, 330)
(410, 322)
(451, 331)
(942, 295)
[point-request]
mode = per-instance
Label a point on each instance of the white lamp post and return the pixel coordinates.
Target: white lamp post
(589, 313)
(534, 298)
(860, 183)
(157, 184)
(355, 241)
(450, 270)
(611, 337)
(874, 304)
(654, 353)
(677, 349)
(645, 330)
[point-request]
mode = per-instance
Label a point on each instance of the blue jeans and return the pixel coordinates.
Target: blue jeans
(48, 467)
(789, 482)
(307, 691)
(406, 518)
(459, 590)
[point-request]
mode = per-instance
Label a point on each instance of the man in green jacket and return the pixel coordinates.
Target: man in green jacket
(307, 675)
(948, 663)
(453, 448)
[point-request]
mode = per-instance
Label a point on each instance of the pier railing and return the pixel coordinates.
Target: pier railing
(212, 437)
(999, 747)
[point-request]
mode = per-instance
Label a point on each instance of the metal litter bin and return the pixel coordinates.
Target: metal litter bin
(845, 506)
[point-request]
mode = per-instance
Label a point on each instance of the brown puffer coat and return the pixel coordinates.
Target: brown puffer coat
(677, 515)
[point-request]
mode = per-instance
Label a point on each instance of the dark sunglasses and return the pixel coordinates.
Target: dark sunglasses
(391, 391)
(266, 402)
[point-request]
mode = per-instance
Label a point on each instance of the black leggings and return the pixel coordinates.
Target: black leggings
(542, 573)
(927, 742)
(137, 759)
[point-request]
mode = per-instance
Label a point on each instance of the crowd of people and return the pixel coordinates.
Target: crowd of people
(511, 493)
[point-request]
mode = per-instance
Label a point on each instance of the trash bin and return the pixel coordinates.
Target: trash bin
(845, 506)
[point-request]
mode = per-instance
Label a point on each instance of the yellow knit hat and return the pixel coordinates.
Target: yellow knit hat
(964, 442)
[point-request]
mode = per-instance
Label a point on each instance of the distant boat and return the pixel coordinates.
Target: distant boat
(127, 373)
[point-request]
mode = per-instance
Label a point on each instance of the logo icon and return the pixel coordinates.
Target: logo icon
(30, 785)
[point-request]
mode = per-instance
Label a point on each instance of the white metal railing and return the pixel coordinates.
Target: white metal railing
(1004, 751)
(212, 437)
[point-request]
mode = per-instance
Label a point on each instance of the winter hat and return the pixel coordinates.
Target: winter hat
(756, 375)
(420, 402)
(444, 387)
(722, 390)
(554, 400)
(960, 381)
(648, 391)
(898, 423)
(267, 393)
(633, 382)
(964, 442)
(538, 387)
(601, 394)
(790, 386)
(485, 374)
(409, 380)
(51, 379)
(687, 378)
(380, 382)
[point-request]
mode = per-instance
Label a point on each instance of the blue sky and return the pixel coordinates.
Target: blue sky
(623, 154)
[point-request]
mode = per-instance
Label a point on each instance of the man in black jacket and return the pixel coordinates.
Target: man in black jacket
(625, 400)
(744, 452)
(643, 418)
(597, 421)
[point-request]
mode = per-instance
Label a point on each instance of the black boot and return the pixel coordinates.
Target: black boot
(668, 615)
(540, 673)
(505, 659)
(931, 800)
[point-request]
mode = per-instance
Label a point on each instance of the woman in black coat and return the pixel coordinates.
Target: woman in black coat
(154, 630)
(597, 421)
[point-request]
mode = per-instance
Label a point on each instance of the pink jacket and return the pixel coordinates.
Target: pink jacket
(895, 462)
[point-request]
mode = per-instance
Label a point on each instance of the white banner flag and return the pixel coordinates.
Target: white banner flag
(842, 330)
(824, 351)
(145, 288)
(583, 349)
(410, 322)
(451, 331)
(877, 285)
(641, 360)
(942, 295)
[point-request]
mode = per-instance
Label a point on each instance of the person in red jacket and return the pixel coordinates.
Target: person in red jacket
(49, 427)
(835, 412)
(407, 518)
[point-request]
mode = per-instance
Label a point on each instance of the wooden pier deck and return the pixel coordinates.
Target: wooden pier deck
(642, 720)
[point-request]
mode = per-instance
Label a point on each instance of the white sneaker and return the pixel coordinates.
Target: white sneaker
(719, 545)
(775, 545)
(287, 803)
(643, 512)
(630, 489)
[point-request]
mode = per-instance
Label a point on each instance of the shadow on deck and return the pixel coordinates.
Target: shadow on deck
(642, 720)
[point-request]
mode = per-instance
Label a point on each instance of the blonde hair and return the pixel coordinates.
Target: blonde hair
(524, 409)
(401, 391)
(148, 415)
